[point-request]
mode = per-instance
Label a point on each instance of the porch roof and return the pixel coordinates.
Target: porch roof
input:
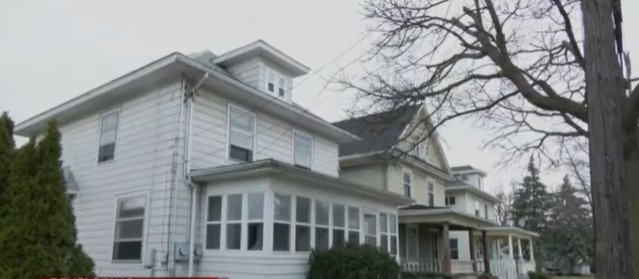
(441, 215)
(508, 230)
(274, 167)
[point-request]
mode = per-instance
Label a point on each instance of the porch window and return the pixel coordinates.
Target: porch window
(450, 200)
(408, 182)
(383, 231)
(454, 250)
(234, 222)
(393, 234)
(370, 229)
(282, 222)
(302, 150)
(255, 221)
(353, 224)
(129, 229)
(303, 224)
(321, 225)
(431, 193)
(241, 134)
(339, 225)
(108, 136)
(214, 222)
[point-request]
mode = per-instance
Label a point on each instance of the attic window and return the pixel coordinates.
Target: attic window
(282, 88)
(270, 83)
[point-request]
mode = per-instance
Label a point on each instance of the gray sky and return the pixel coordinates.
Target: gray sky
(51, 51)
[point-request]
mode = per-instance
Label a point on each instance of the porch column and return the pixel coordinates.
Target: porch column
(473, 250)
(532, 255)
(519, 248)
(484, 241)
(510, 247)
(446, 248)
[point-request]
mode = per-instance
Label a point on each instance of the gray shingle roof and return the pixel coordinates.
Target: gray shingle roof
(379, 131)
(462, 168)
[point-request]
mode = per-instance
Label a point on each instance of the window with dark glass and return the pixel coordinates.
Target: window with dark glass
(255, 224)
(454, 250)
(370, 229)
(431, 194)
(303, 150)
(408, 181)
(353, 224)
(393, 234)
(241, 134)
(108, 136)
(214, 222)
(129, 229)
(321, 225)
(339, 225)
(234, 222)
(303, 224)
(383, 232)
(281, 222)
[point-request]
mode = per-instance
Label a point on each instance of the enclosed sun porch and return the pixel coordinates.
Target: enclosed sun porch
(440, 242)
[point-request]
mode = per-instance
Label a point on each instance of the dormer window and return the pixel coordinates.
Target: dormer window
(282, 88)
(276, 83)
(270, 82)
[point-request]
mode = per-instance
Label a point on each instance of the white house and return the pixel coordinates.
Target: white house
(451, 206)
(203, 165)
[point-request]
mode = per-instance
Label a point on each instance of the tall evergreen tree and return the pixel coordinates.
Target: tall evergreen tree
(6, 150)
(530, 206)
(570, 235)
(39, 237)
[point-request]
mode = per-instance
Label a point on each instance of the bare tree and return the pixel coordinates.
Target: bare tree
(525, 71)
(505, 205)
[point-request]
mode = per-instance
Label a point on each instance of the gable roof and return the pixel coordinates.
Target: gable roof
(378, 131)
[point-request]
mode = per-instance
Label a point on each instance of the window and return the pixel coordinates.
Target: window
(303, 150)
(353, 224)
(108, 135)
(303, 224)
(270, 82)
(486, 211)
(282, 222)
(241, 134)
(408, 181)
(477, 209)
(370, 229)
(393, 234)
(255, 226)
(454, 250)
(464, 177)
(431, 193)
(129, 229)
(339, 225)
(214, 222)
(234, 222)
(383, 232)
(282, 87)
(450, 200)
(321, 225)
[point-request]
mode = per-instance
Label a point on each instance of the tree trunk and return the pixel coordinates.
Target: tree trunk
(612, 189)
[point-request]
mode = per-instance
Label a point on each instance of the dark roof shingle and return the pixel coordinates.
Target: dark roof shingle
(379, 131)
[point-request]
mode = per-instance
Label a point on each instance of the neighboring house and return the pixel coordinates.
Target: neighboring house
(202, 165)
(451, 206)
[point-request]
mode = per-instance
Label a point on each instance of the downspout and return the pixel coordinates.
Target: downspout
(187, 169)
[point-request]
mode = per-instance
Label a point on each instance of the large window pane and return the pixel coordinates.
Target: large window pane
(282, 210)
(302, 238)
(321, 238)
(215, 209)
(281, 236)
(234, 208)
(321, 213)
(338, 238)
(383, 242)
(383, 223)
(256, 206)
(108, 135)
(130, 229)
(233, 236)
(370, 229)
(255, 236)
(338, 215)
(241, 134)
(131, 207)
(213, 236)
(353, 218)
(127, 250)
(393, 245)
(303, 212)
(353, 237)
(303, 150)
(393, 223)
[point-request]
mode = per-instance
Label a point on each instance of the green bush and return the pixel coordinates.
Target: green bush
(352, 262)
(538, 275)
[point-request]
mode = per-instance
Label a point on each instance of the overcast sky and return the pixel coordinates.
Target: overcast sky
(51, 51)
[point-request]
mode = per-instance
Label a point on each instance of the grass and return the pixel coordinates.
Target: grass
(572, 277)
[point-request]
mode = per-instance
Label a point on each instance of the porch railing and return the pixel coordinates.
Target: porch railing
(503, 269)
(525, 266)
(421, 265)
(458, 266)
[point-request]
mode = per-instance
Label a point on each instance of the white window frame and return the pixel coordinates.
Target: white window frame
(296, 132)
(117, 128)
(393, 231)
(220, 222)
(145, 225)
(343, 228)
(290, 223)
(359, 222)
(410, 185)
(245, 112)
(450, 244)
(228, 222)
(317, 226)
(249, 221)
(308, 225)
(383, 233)
(277, 76)
(477, 212)
(430, 187)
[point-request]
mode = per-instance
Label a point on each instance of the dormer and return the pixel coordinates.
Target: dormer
(264, 67)
(469, 175)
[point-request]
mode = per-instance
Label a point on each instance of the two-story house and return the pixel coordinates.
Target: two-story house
(453, 217)
(202, 165)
